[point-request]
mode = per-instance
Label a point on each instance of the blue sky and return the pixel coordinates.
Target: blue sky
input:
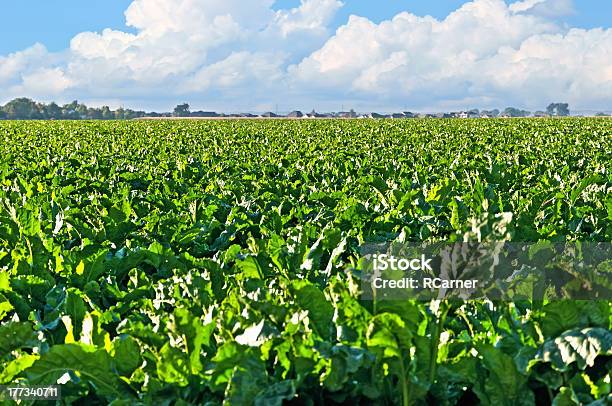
(54, 23)
(255, 54)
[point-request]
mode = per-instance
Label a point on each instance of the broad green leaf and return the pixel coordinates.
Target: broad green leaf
(13, 368)
(276, 394)
(566, 397)
(90, 365)
(173, 366)
(320, 311)
(504, 385)
(126, 356)
(14, 335)
(577, 346)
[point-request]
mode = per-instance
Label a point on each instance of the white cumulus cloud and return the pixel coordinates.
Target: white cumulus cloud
(219, 54)
(309, 16)
(485, 53)
(18, 63)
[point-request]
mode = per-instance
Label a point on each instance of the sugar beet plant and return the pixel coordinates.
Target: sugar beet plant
(190, 263)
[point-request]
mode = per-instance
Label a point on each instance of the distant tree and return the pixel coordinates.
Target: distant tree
(131, 114)
(120, 113)
(53, 111)
(558, 109)
(107, 114)
(21, 109)
(600, 114)
(490, 113)
(2, 114)
(81, 110)
(69, 111)
(181, 110)
(563, 109)
(94, 113)
(37, 112)
(514, 112)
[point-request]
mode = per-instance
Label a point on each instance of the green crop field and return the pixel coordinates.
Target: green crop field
(201, 262)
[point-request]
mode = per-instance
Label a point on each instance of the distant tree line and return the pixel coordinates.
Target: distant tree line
(553, 110)
(27, 109)
(514, 112)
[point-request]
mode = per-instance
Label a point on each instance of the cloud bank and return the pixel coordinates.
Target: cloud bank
(243, 54)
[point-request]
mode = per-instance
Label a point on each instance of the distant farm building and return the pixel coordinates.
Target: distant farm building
(347, 114)
(269, 114)
(295, 114)
(204, 114)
